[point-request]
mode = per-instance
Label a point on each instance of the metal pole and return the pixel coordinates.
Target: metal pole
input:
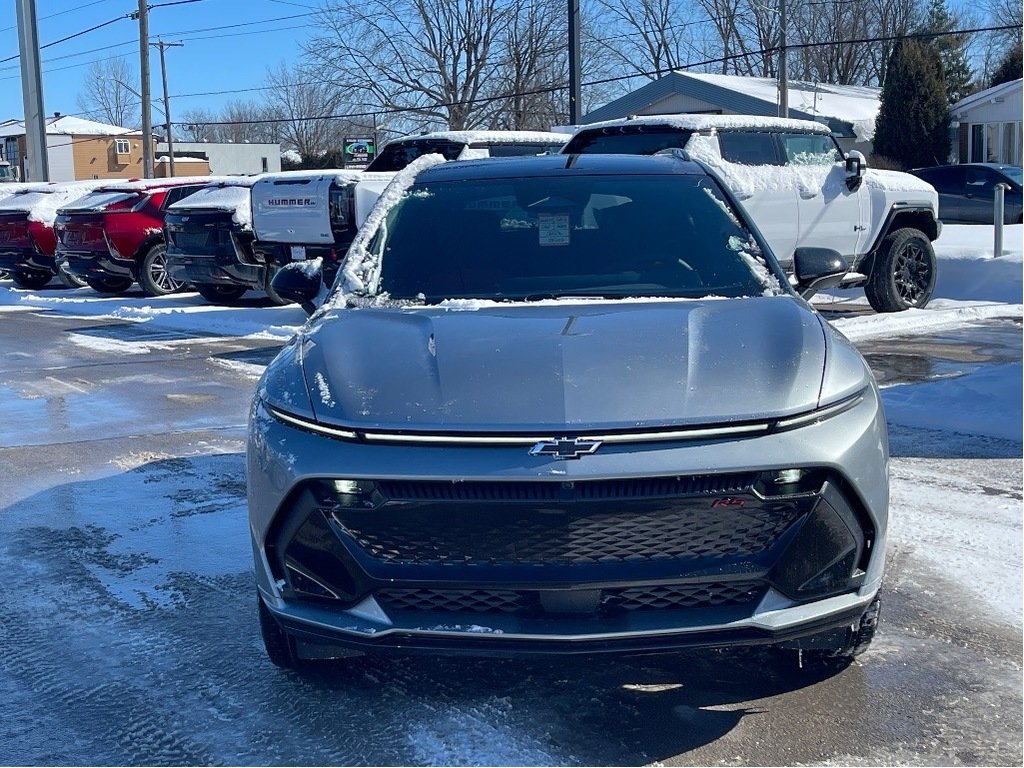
(167, 103)
(783, 76)
(37, 161)
(147, 119)
(574, 62)
(997, 219)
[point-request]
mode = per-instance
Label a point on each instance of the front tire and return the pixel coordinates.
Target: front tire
(903, 274)
(154, 278)
(280, 646)
(30, 279)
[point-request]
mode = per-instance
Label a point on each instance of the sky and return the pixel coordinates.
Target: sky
(220, 37)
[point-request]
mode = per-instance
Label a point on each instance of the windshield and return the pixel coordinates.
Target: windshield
(613, 236)
(101, 201)
(628, 140)
(398, 154)
(1013, 172)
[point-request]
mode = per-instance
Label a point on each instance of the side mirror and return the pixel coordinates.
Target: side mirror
(855, 165)
(299, 282)
(817, 269)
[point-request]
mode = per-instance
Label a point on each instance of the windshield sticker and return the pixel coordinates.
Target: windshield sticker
(553, 229)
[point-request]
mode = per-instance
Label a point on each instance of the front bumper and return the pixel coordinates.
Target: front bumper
(740, 599)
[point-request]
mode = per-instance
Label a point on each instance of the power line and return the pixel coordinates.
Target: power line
(619, 78)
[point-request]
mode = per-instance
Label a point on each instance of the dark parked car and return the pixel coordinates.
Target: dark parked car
(209, 241)
(114, 236)
(566, 404)
(967, 192)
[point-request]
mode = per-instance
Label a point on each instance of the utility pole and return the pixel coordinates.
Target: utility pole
(147, 120)
(574, 62)
(167, 104)
(783, 76)
(38, 164)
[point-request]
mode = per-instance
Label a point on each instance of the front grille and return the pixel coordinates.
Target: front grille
(629, 488)
(636, 532)
(645, 598)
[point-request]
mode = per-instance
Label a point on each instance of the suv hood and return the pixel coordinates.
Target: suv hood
(549, 367)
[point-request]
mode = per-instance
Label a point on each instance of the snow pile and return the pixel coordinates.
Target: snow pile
(495, 137)
(339, 175)
(968, 270)
(706, 122)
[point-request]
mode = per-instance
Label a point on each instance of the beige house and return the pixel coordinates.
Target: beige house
(79, 150)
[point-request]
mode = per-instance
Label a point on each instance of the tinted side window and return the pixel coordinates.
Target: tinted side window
(980, 182)
(514, 150)
(944, 179)
(628, 140)
(754, 148)
(810, 149)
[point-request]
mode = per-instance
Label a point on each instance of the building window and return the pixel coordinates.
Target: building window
(992, 142)
(265, 164)
(122, 147)
(1011, 144)
(978, 143)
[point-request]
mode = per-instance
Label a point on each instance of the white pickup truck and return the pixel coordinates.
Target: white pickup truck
(802, 190)
(301, 215)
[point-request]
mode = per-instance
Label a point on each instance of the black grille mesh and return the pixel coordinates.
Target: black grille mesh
(655, 597)
(516, 537)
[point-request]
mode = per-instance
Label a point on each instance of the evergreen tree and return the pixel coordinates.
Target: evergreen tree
(912, 128)
(1009, 68)
(952, 50)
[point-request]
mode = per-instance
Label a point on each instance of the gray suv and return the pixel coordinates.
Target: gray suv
(563, 405)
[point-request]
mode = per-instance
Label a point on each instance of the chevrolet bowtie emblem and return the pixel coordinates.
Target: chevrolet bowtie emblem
(565, 447)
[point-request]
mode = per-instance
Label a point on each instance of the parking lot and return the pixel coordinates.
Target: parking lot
(131, 629)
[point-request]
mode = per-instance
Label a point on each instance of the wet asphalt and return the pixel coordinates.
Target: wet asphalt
(129, 633)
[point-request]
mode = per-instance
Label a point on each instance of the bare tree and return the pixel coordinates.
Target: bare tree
(430, 57)
(650, 35)
(303, 103)
(196, 125)
(111, 93)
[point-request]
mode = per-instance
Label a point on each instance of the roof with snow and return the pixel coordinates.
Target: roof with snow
(849, 110)
(996, 92)
(68, 126)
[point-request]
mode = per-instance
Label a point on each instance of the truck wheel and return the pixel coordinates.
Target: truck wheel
(109, 285)
(30, 279)
(221, 294)
(903, 274)
(154, 278)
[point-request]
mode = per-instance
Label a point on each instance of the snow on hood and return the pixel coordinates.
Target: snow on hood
(233, 196)
(896, 181)
(514, 369)
(361, 267)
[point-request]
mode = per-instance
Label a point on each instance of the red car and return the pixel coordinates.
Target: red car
(114, 236)
(27, 240)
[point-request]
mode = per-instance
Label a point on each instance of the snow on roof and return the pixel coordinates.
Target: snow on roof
(702, 122)
(995, 92)
(494, 137)
(223, 196)
(172, 181)
(41, 200)
(69, 126)
(854, 104)
(340, 175)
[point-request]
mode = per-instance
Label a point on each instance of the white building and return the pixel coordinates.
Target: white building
(988, 125)
(230, 159)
